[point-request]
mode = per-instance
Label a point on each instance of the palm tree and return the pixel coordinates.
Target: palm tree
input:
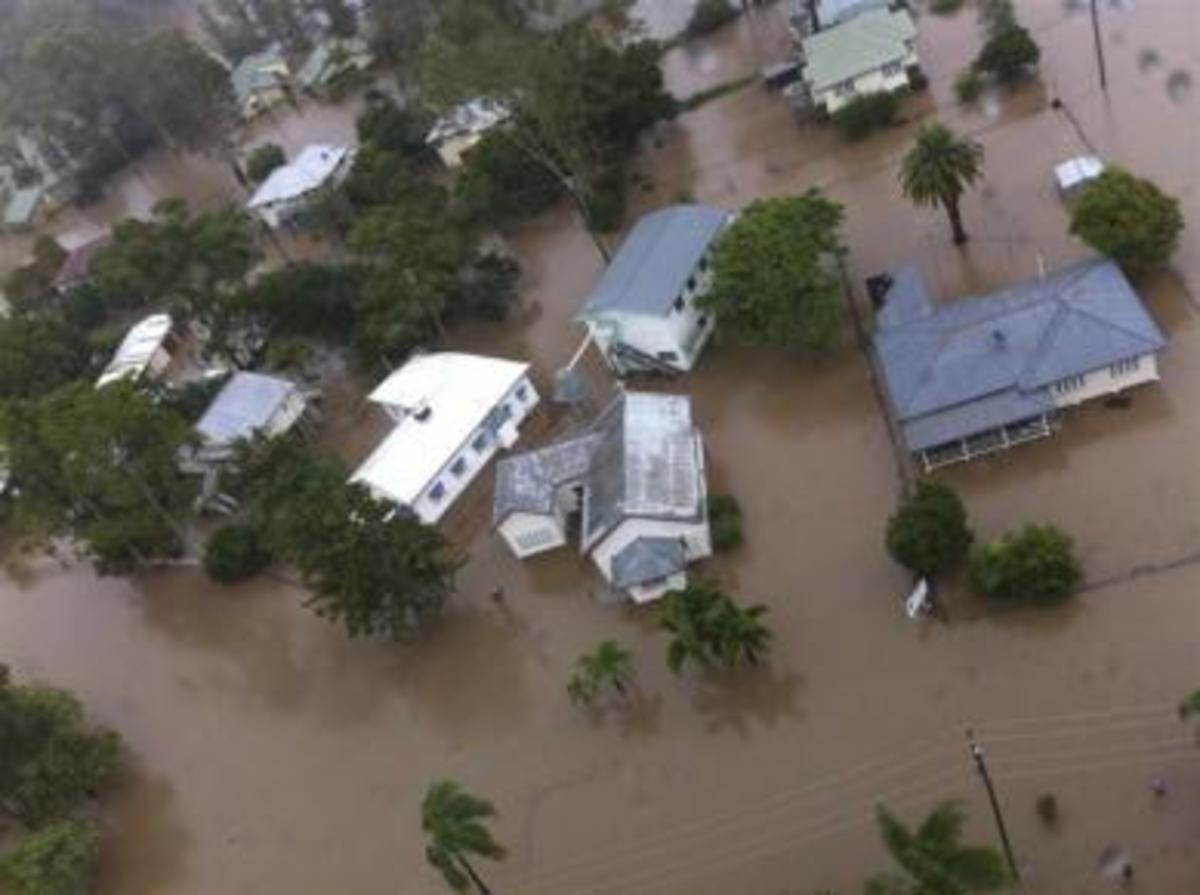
(1190, 705)
(607, 663)
(933, 859)
(455, 822)
(741, 634)
(938, 169)
(707, 626)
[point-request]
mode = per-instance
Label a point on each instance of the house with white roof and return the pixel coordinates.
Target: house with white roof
(260, 81)
(452, 412)
(872, 52)
(330, 59)
(635, 479)
(983, 374)
(248, 404)
(456, 132)
(143, 352)
(642, 312)
(289, 187)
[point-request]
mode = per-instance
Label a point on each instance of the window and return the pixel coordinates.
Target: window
(1070, 384)
(892, 69)
(481, 442)
(704, 264)
(1124, 367)
(845, 88)
(702, 322)
(437, 492)
(522, 394)
(669, 356)
(458, 467)
(691, 283)
(679, 304)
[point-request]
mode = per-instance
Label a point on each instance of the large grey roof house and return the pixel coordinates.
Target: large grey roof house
(642, 310)
(636, 478)
(979, 375)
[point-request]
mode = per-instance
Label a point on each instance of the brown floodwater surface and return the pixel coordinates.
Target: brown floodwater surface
(273, 755)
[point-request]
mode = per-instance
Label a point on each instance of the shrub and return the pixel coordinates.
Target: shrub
(968, 85)
(1047, 809)
(1129, 219)
(928, 534)
(263, 160)
(945, 7)
(606, 199)
(1008, 54)
(724, 522)
(709, 15)
(1036, 564)
(500, 182)
(234, 553)
(866, 113)
(57, 860)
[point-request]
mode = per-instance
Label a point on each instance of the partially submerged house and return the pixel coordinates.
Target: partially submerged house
(143, 352)
(806, 17)
(453, 412)
(77, 265)
(288, 188)
(872, 52)
(979, 375)
(260, 81)
(330, 59)
(635, 478)
(248, 404)
(642, 312)
(456, 132)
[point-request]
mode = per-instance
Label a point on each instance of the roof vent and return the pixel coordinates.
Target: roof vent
(999, 339)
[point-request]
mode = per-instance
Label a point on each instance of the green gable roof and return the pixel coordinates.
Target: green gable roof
(864, 43)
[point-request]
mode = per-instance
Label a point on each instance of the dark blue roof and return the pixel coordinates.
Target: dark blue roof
(645, 560)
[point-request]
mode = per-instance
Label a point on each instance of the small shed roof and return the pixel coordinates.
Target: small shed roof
(856, 46)
(645, 560)
(309, 170)
(136, 350)
(654, 262)
(475, 116)
(445, 397)
(248, 402)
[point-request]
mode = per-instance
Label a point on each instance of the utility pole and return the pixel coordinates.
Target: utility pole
(981, 766)
(1099, 47)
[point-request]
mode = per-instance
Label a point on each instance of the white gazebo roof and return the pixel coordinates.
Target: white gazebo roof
(310, 169)
(444, 397)
(137, 349)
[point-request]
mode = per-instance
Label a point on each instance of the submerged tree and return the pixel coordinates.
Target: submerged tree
(938, 170)
(455, 824)
(1129, 219)
(928, 533)
(708, 628)
(608, 664)
(1035, 564)
(933, 859)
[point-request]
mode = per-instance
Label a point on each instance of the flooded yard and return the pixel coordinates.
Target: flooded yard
(273, 755)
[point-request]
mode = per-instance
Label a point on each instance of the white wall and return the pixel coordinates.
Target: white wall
(528, 534)
(870, 82)
(452, 149)
(656, 590)
(285, 417)
(429, 509)
(1105, 381)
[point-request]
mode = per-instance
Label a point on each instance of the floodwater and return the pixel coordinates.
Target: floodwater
(273, 755)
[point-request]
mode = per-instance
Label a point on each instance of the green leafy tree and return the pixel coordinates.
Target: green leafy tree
(1190, 705)
(455, 823)
(59, 859)
(933, 859)
(389, 127)
(263, 160)
(37, 355)
(708, 628)
(235, 38)
(1009, 54)
(235, 552)
(1129, 219)
(501, 182)
(865, 113)
(27, 286)
(52, 760)
(1035, 564)
(342, 20)
(709, 15)
(181, 91)
(725, 522)
(929, 534)
(487, 287)
(773, 275)
(608, 664)
(306, 298)
(938, 169)
(100, 466)
(370, 568)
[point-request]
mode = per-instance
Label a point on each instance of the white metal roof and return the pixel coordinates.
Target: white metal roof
(1075, 172)
(473, 117)
(458, 391)
(307, 171)
(129, 361)
(247, 403)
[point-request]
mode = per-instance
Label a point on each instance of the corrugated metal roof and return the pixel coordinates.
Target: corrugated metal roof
(654, 262)
(528, 482)
(831, 12)
(258, 71)
(645, 560)
(133, 355)
(472, 117)
(248, 402)
(859, 45)
(984, 361)
(312, 167)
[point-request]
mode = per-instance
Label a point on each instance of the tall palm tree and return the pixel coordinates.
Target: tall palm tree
(608, 663)
(938, 169)
(456, 823)
(933, 859)
(741, 634)
(707, 626)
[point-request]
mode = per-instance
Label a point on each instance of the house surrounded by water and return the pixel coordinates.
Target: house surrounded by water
(642, 313)
(452, 412)
(635, 479)
(286, 192)
(980, 375)
(872, 52)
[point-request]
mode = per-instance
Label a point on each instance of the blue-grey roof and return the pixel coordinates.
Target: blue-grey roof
(247, 403)
(527, 483)
(258, 71)
(654, 262)
(978, 363)
(645, 560)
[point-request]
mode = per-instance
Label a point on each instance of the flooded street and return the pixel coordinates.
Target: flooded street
(273, 755)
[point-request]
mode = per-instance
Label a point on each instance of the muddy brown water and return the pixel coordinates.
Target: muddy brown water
(272, 755)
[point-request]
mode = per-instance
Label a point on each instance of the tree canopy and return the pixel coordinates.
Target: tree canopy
(928, 534)
(37, 355)
(264, 159)
(607, 664)
(455, 824)
(58, 859)
(1035, 564)
(708, 628)
(1129, 219)
(774, 273)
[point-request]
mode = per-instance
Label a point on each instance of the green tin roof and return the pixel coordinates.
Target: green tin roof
(855, 47)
